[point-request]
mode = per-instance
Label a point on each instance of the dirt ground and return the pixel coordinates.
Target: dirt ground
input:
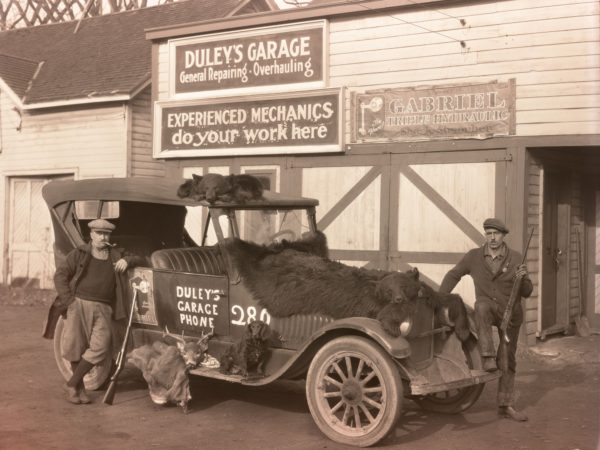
(558, 383)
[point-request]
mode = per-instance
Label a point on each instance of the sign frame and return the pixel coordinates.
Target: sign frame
(337, 147)
(425, 129)
(249, 33)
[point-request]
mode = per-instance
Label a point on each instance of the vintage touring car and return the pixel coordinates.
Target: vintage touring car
(356, 374)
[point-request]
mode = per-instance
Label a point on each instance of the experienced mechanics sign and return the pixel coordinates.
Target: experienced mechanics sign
(303, 122)
(479, 111)
(261, 57)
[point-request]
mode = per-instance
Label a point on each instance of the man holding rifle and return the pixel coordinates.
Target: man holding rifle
(91, 286)
(495, 268)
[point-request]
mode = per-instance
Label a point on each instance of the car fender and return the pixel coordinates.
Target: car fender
(397, 347)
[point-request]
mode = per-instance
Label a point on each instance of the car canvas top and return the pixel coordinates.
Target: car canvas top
(154, 190)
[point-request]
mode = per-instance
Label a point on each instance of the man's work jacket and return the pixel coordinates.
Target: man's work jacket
(69, 273)
(496, 287)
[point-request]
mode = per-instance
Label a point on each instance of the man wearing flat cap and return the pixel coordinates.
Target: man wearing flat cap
(494, 268)
(90, 286)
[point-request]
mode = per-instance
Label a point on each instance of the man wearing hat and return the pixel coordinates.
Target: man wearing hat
(90, 286)
(494, 268)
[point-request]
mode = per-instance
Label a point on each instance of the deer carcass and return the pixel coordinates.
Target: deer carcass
(165, 367)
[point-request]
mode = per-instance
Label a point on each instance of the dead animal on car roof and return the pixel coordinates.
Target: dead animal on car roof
(245, 187)
(249, 355)
(165, 367)
(209, 187)
(214, 187)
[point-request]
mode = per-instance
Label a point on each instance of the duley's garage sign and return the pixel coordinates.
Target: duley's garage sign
(265, 57)
(464, 111)
(300, 122)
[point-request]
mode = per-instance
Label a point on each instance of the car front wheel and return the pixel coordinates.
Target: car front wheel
(354, 391)
(95, 378)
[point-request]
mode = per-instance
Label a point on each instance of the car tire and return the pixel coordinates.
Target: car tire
(354, 391)
(95, 379)
(456, 401)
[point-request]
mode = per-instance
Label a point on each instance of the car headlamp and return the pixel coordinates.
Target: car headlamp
(406, 327)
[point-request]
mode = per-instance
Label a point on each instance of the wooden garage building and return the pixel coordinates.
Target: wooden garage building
(411, 122)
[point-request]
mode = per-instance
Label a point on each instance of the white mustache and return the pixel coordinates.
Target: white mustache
(108, 244)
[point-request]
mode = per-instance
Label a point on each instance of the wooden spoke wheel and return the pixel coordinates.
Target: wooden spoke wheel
(354, 391)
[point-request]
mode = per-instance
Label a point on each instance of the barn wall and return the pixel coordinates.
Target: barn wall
(45, 145)
(551, 49)
(141, 163)
(397, 205)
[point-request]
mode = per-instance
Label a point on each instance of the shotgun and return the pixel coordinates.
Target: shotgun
(110, 392)
(514, 295)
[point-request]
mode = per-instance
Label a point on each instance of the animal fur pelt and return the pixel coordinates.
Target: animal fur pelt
(291, 282)
(165, 368)
(162, 368)
(449, 310)
(249, 355)
(214, 187)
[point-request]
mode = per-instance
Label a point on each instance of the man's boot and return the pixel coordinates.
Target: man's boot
(509, 412)
(71, 392)
(75, 383)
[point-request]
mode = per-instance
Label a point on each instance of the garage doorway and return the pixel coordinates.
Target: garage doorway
(30, 238)
(555, 253)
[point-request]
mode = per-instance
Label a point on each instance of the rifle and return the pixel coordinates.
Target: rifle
(514, 294)
(110, 392)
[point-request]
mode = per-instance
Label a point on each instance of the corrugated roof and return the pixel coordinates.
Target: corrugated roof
(108, 56)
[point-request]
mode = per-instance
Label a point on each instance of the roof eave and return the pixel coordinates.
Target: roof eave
(77, 101)
(284, 16)
(87, 100)
(11, 94)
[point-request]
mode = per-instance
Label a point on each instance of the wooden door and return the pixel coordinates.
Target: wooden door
(30, 237)
(353, 211)
(555, 250)
(438, 204)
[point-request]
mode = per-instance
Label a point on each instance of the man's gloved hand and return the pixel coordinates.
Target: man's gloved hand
(522, 271)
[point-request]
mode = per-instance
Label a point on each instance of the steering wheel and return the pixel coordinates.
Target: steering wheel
(277, 237)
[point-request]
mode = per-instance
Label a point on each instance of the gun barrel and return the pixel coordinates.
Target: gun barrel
(110, 392)
(514, 294)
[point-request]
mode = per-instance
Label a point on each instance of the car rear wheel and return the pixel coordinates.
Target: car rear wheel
(354, 391)
(95, 378)
(456, 401)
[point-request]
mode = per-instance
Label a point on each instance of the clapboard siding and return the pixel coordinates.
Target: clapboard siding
(142, 162)
(84, 142)
(543, 47)
(553, 51)
(48, 140)
(534, 255)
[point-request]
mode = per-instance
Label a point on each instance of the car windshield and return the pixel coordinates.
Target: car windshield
(262, 226)
(268, 226)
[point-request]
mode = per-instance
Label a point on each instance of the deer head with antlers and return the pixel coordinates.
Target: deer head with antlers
(192, 352)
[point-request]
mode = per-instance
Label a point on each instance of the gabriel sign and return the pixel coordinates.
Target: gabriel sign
(478, 111)
(264, 57)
